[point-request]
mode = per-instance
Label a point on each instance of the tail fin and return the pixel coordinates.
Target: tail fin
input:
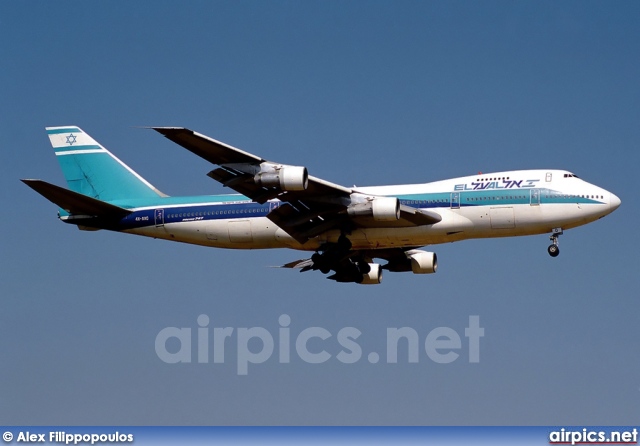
(92, 170)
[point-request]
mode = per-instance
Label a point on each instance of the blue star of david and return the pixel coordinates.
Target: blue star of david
(71, 139)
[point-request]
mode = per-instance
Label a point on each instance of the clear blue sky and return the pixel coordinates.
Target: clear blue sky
(361, 93)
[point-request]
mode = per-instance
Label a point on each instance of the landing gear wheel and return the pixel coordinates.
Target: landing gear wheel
(320, 263)
(553, 249)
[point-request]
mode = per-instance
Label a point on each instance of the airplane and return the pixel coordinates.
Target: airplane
(282, 206)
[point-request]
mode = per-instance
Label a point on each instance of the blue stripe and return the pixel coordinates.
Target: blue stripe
(64, 130)
(196, 213)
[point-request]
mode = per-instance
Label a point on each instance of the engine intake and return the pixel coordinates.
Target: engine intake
(287, 178)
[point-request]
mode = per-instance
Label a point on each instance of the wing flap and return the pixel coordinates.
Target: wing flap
(299, 264)
(243, 184)
(302, 222)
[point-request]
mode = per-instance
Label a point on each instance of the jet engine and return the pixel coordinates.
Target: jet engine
(374, 276)
(380, 208)
(287, 178)
(422, 262)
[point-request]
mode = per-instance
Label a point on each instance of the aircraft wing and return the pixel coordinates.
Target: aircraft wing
(238, 168)
(310, 205)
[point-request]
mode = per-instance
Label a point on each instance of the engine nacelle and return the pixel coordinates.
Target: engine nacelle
(423, 262)
(380, 208)
(386, 209)
(288, 178)
(374, 276)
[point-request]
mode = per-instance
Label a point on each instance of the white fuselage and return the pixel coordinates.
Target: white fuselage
(501, 204)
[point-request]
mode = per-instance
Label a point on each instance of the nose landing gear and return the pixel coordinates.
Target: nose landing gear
(553, 249)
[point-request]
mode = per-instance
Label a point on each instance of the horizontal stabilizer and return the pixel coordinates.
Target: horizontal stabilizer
(76, 203)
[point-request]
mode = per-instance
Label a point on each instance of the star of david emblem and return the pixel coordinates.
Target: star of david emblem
(71, 139)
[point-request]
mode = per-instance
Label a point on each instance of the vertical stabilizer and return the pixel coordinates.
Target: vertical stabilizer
(92, 170)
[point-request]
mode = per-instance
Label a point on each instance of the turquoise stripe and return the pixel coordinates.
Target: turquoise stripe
(493, 197)
(64, 130)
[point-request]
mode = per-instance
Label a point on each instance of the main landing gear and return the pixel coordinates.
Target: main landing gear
(553, 249)
(325, 262)
(349, 266)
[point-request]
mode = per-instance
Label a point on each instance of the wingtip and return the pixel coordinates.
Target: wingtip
(161, 128)
(28, 181)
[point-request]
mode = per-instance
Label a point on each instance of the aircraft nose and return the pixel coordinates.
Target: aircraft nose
(614, 202)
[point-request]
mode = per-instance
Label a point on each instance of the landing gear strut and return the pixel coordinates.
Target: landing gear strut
(344, 243)
(553, 249)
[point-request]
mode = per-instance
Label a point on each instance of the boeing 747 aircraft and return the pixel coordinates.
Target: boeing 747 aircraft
(282, 206)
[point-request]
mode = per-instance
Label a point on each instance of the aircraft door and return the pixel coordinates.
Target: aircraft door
(535, 197)
(455, 200)
(158, 215)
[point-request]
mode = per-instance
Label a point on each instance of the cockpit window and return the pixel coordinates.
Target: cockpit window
(570, 175)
